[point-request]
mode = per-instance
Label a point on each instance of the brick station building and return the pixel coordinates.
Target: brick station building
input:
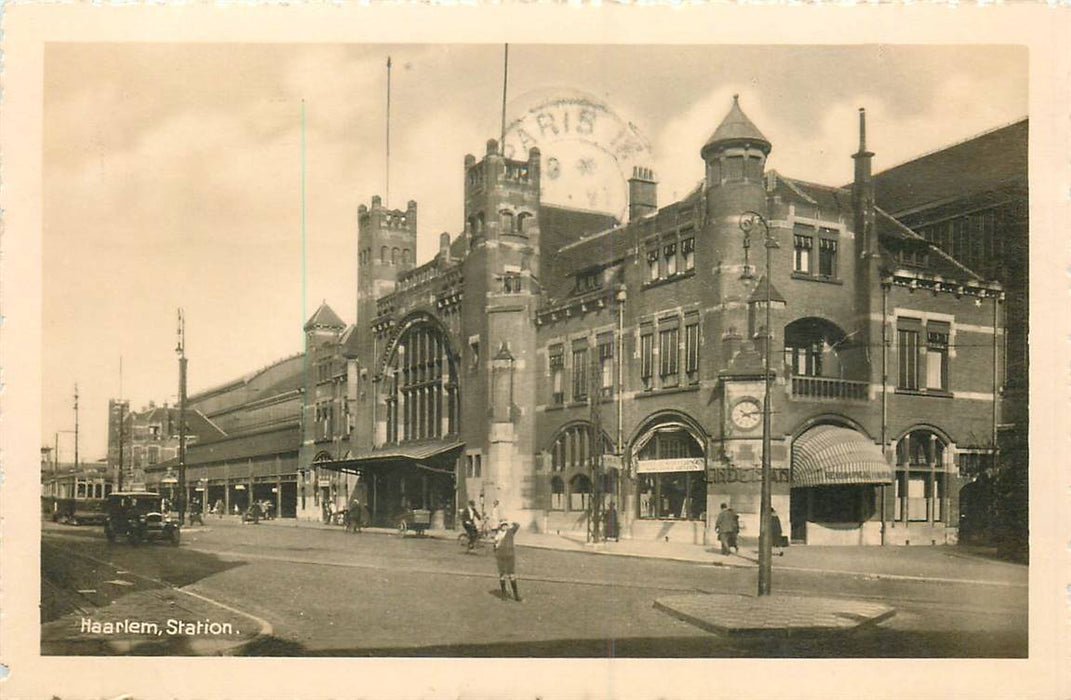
(540, 336)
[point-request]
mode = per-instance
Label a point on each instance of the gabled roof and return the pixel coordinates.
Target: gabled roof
(325, 317)
(736, 127)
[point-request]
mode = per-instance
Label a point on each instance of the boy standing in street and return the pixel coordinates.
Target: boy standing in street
(505, 557)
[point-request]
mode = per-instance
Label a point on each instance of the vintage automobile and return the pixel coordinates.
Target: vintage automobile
(138, 516)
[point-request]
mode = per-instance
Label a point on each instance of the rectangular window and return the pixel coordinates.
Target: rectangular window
(580, 382)
(936, 357)
(557, 368)
(827, 257)
(736, 167)
(688, 253)
(606, 364)
(652, 265)
(668, 340)
(469, 466)
(670, 253)
(647, 357)
(478, 465)
(907, 358)
(802, 257)
(691, 350)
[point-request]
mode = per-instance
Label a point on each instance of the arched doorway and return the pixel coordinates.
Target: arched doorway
(669, 459)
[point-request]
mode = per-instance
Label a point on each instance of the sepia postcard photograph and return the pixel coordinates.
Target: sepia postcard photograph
(502, 348)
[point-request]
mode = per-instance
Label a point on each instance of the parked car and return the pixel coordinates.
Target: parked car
(139, 516)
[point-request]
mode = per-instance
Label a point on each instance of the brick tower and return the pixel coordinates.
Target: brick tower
(502, 292)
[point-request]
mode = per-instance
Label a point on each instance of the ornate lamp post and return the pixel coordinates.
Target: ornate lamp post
(748, 220)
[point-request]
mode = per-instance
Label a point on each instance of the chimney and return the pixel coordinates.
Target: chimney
(444, 246)
(642, 193)
(863, 193)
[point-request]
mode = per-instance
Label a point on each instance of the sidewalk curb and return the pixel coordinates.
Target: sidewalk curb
(638, 555)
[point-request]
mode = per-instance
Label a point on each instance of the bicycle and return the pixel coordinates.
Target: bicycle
(484, 538)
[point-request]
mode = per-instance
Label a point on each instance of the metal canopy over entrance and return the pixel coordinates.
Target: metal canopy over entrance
(395, 480)
(830, 455)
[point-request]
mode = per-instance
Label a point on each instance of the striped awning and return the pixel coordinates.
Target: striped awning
(828, 455)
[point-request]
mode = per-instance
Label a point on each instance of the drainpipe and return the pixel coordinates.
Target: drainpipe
(884, 390)
(996, 374)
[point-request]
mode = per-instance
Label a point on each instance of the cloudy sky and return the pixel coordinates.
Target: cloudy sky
(172, 173)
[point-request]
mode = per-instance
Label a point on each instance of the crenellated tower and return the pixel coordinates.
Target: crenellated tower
(386, 247)
(502, 291)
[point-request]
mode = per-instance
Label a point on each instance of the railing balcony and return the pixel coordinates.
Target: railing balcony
(828, 389)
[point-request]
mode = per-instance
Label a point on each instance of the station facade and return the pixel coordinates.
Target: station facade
(547, 358)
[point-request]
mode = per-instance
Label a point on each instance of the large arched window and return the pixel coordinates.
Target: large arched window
(812, 348)
(421, 386)
(670, 466)
(922, 476)
(572, 448)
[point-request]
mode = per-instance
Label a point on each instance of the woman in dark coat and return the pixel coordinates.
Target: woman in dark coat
(776, 536)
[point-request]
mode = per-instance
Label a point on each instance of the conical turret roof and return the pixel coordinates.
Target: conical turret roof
(736, 127)
(325, 317)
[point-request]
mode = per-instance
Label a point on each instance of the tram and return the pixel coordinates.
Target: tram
(75, 498)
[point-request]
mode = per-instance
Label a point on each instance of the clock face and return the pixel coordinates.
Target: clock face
(746, 414)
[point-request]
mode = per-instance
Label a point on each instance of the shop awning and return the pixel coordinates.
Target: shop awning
(420, 453)
(829, 455)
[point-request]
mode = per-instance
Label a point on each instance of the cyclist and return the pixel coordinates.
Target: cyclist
(470, 520)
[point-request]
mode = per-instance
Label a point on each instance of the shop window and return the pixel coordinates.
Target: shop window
(673, 495)
(557, 493)
(580, 380)
(557, 369)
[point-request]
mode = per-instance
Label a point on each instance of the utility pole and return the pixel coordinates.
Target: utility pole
(122, 419)
(180, 349)
(748, 220)
(76, 425)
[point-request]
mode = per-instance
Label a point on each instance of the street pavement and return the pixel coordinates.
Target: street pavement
(312, 589)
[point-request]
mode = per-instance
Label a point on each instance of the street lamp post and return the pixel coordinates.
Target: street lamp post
(180, 350)
(748, 220)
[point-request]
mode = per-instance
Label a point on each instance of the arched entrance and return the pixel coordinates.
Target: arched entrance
(573, 479)
(923, 490)
(668, 457)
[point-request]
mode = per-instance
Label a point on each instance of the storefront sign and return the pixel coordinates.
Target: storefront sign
(324, 482)
(658, 466)
(611, 461)
(732, 475)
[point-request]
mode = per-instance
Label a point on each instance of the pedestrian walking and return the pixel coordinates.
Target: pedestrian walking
(734, 530)
(777, 538)
(354, 517)
(506, 558)
(496, 514)
(724, 525)
(219, 507)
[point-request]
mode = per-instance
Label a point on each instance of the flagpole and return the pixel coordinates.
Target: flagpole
(505, 82)
(387, 199)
